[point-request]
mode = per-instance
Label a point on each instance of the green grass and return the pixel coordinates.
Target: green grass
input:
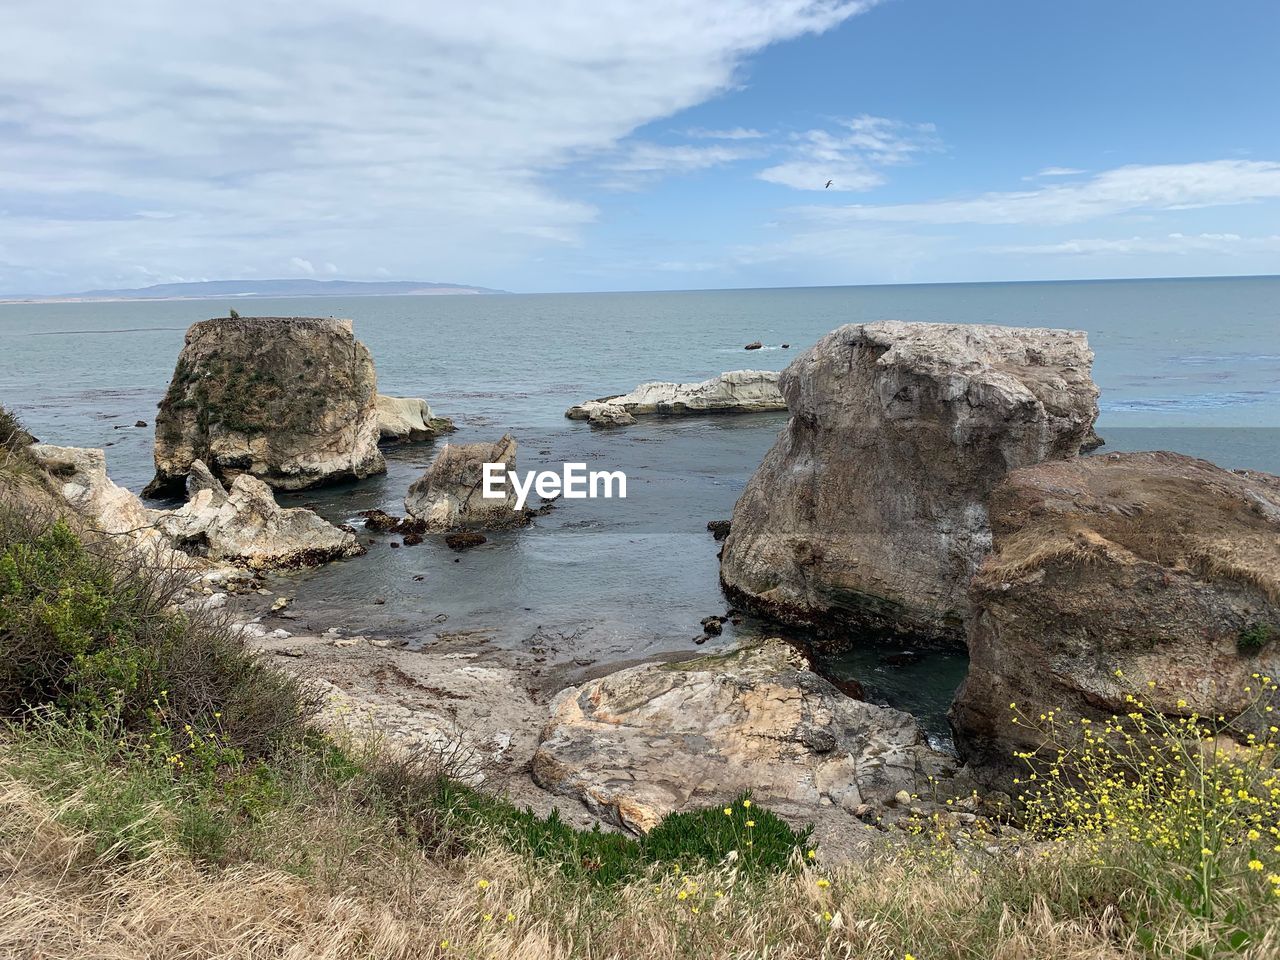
(149, 727)
(1254, 638)
(699, 838)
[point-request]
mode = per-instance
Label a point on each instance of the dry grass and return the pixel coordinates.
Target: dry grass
(58, 899)
(1024, 554)
(1246, 559)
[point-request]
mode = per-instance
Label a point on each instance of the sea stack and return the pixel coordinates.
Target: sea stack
(869, 512)
(450, 494)
(289, 400)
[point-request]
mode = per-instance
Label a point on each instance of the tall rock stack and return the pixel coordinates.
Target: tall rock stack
(290, 400)
(869, 512)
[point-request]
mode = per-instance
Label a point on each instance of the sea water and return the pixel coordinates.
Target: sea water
(1188, 365)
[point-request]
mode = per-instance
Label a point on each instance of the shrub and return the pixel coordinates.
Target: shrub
(1189, 806)
(761, 840)
(1254, 638)
(13, 436)
(16, 464)
(88, 629)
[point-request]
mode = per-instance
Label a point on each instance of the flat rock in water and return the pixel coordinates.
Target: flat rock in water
(409, 419)
(739, 391)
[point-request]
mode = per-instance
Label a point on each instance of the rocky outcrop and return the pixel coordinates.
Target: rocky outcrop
(289, 400)
(80, 477)
(649, 740)
(870, 509)
(450, 494)
(409, 419)
(1157, 565)
(246, 526)
(739, 391)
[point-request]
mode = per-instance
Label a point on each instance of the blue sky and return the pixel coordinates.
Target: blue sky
(638, 145)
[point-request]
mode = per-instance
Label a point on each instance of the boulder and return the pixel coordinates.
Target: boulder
(739, 391)
(869, 512)
(464, 540)
(289, 400)
(449, 495)
(246, 526)
(654, 739)
(402, 419)
(719, 529)
(1157, 565)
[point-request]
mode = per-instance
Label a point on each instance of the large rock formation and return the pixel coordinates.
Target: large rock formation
(739, 391)
(649, 740)
(402, 419)
(246, 526)
(870, 509)
(1158, 565)
(449, 495)
(289, 400)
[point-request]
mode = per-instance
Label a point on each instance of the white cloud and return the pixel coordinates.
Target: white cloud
(639, 161)
(737, 133)
(409, 134)
(1149, 188)
(850, 157)
(1055, 172)
(1173, 243)
(302, 266)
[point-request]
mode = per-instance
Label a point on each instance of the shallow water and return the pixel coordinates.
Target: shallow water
(1191, 365)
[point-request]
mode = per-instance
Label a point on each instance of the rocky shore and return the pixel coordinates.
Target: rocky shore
(929, 485)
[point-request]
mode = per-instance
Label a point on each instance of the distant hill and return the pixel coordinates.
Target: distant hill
(212, 289)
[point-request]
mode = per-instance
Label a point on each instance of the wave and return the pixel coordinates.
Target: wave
(1211, 358)
(1204, 401)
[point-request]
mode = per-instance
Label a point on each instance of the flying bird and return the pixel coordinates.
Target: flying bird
(829, 183)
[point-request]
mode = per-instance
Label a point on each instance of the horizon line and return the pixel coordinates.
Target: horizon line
(450, 289)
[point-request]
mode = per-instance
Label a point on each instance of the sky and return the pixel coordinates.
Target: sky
(637, 144)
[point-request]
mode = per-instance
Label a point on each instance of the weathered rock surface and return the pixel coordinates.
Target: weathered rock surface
(1162, 566)
(649, 740)
(80, 475)
(739, 391)
(246, 526)
(290, 400)
(870, 509)
(409, 419)
(449, 495)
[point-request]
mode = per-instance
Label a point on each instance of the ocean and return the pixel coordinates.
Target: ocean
(1187, 365)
